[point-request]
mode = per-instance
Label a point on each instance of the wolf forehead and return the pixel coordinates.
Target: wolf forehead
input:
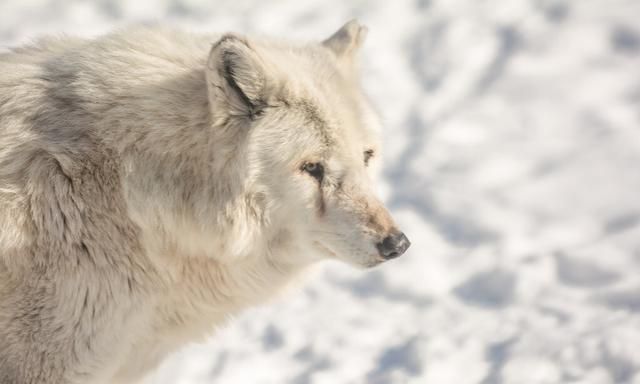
(310, 81)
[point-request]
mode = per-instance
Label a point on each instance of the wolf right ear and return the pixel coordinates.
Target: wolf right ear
(347, 40)
(236, 72)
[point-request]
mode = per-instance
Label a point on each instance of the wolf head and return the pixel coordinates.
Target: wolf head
(307, 139)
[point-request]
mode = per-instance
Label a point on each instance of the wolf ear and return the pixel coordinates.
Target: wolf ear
(346, 40)
(236, 72)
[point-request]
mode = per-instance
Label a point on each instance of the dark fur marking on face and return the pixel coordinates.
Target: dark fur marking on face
(322, 207)
(283, 101)
(314, 117)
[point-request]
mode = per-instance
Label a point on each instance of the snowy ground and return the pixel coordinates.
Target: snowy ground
(513, 164)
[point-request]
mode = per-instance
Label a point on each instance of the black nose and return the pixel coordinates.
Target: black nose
(393, 246)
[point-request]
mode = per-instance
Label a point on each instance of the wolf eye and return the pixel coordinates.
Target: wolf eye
(368, 154)
(314, 169)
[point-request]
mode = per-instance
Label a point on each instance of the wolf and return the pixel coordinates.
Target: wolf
(155, 182)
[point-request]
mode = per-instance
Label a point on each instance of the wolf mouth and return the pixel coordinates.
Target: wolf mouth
(324, 248)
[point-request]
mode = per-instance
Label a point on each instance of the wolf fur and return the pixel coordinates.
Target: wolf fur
(154, 182)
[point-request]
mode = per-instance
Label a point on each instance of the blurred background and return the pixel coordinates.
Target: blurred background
(512, 161)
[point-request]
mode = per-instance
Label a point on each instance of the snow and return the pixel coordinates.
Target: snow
(512, 158)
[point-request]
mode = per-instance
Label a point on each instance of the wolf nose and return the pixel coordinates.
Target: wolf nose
(393, 246)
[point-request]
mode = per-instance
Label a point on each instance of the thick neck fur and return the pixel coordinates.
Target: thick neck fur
(183, 163)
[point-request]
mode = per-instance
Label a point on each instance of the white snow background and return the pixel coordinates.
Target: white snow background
(512, 161)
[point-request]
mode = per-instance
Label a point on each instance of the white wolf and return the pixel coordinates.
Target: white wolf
(154, 182)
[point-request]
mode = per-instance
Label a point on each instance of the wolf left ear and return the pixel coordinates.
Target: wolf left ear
(347, 40)
(236, 72)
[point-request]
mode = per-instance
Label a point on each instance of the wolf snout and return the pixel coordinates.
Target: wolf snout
(393, 246)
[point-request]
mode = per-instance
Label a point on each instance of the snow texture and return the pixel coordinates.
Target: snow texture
(512, 161)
